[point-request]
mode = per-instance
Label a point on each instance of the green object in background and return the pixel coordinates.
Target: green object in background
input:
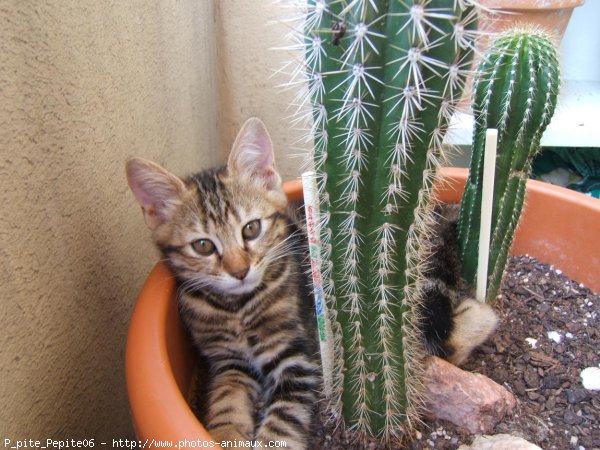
(515, 91)
(576, 168)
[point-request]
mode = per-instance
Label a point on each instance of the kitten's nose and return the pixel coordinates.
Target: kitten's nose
(240, 274)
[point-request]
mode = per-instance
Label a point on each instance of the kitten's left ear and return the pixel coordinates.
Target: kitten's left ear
(252, 155)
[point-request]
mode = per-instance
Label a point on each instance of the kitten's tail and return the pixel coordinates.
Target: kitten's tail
(452, 329)
(452, 326)
(473, 323)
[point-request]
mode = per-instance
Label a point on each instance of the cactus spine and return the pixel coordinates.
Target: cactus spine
(384, 78)
(515, 90)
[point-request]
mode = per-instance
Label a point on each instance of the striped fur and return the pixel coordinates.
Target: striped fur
(246, 305)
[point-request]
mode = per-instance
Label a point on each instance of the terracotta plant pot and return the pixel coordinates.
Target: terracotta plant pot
(552, 15)
(559, 227)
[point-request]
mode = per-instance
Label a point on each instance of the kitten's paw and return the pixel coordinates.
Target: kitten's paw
(291, 430)
(289, 443)
(229, 433)
(474, 322)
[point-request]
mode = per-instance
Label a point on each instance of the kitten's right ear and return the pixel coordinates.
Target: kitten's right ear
(158, 191)
(252, 156)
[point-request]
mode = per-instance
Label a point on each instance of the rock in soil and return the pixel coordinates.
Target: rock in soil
(500, 442)
(467, 400)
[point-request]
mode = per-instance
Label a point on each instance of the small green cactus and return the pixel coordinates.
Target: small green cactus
(515, 91)
(384, 79)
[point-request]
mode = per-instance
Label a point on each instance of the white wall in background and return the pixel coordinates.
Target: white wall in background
(581, 44)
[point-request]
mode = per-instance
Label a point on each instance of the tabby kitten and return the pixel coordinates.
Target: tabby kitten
(234, 248)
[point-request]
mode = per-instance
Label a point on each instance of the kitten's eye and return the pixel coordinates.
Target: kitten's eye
(204, 247)
(251, 230)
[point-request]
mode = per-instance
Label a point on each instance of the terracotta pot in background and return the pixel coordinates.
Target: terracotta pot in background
(552, 15)
(559, 227)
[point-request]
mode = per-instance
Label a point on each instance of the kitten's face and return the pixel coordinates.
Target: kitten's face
(221, 229)
(225, 233)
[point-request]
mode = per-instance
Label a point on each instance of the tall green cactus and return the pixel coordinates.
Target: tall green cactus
(384, 79)
(515, 91)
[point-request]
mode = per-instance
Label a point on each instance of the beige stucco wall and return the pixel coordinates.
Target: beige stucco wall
(253, 65)
(84, 85)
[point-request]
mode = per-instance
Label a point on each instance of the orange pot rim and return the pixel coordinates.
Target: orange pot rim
(158, 407)
(159, 361)
(522, 5)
